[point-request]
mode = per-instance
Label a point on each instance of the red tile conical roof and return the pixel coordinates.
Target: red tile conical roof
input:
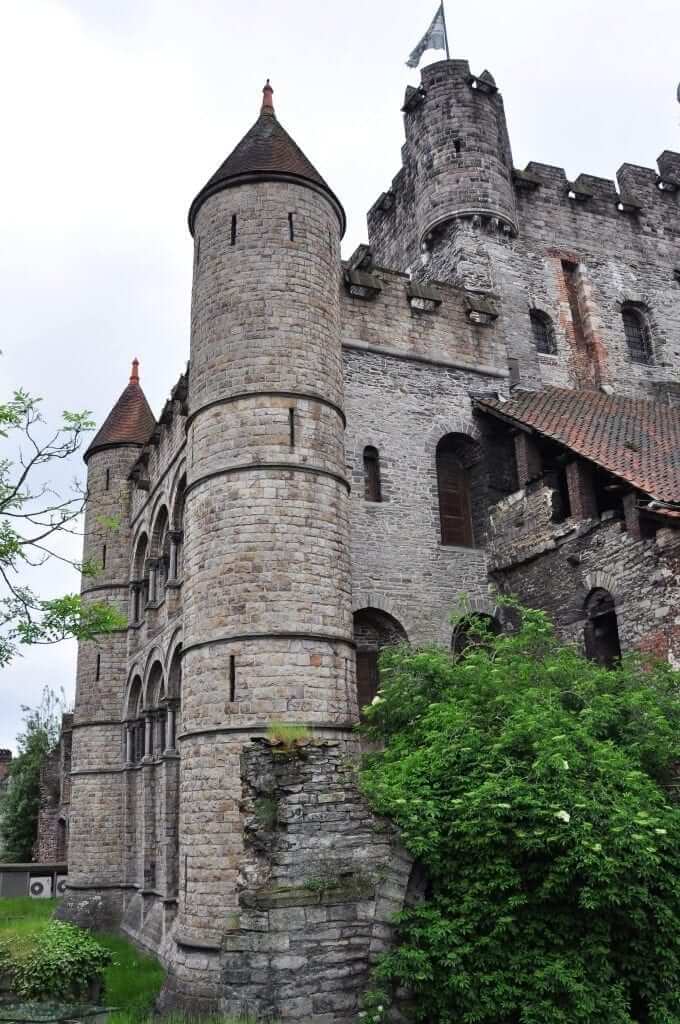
(129, 422)
(265, 153)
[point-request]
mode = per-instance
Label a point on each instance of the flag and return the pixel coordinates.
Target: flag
(434, 38)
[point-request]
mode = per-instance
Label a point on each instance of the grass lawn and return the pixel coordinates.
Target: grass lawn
(131, 982)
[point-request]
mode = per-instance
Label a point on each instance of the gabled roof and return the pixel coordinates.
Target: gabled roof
(636, 440)
(265, 153)
(130, 422)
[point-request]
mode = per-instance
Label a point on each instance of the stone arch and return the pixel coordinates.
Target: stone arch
(456, 424)
(374, 630)
(464, 632)
(174, 670)
(382, 602)
(160, 553)
(176, 502)
(140, 555)
(601, 580)
(134, 697)
(152, 666)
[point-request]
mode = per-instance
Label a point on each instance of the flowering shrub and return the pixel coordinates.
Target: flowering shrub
(532, 786)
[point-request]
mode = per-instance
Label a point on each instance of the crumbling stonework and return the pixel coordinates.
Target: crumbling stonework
(51, 846)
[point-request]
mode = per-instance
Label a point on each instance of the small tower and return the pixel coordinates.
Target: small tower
(95, 834)
(267, 602)
(454, 197)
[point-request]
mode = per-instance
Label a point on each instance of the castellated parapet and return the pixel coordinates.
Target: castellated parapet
(333, 470)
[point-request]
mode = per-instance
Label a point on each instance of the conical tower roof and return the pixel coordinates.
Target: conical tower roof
(130, 422)
(265, 153)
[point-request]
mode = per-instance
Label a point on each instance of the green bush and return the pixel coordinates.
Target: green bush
(57, 962)
(532, 786)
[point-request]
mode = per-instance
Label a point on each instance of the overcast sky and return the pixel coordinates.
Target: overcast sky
(115, 113)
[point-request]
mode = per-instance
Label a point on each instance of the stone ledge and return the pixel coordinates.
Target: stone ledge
(352, 891)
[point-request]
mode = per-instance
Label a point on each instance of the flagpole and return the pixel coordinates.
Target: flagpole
(446, 35)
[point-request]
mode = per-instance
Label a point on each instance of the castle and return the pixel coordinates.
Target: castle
(484, 398)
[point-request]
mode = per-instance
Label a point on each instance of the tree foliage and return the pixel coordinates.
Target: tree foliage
(532, 786)
(33, 516)
(20, 807)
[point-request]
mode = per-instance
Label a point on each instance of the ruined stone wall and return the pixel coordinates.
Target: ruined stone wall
(320, 878)
(555, 566)
(51, 844)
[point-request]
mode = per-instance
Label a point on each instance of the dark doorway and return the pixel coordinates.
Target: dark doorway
(601, 632)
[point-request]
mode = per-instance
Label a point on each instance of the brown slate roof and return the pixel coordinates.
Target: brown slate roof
(636, 440)
(268, 153)
(129, 422)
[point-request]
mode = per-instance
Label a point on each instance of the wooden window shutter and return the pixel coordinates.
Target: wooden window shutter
(454, 499)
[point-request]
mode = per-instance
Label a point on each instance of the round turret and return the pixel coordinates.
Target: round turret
(457, 140)
(95, 838)
(267, 594)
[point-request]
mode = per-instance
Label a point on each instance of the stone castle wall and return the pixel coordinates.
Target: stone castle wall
(241, 538)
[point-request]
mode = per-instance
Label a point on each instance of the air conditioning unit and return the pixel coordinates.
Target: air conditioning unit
(40, 887)
(61, 885)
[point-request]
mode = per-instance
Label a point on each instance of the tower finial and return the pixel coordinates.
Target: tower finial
(134, 375)
(267, 102)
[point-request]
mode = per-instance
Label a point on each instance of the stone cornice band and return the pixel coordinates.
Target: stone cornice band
(250, 466)
(283, 635)
(307, 396)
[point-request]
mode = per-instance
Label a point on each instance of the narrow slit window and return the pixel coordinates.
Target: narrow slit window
(198, 250)
(103, 556)
(99, 666)
(233, 229)
(232, 678)
(291, 228)
(372, 487)
(107, 480)
(291, 427)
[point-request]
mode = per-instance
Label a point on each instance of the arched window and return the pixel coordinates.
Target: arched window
(140, 579)
(638, 334)
(543, 333)
(160, 552)
(601, 632)
(156, 709)
(472, 631)
(372, 490)
(373, 630)
(177, 537)
(454, 491)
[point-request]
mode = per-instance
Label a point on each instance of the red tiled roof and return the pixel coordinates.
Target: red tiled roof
(129, 422)
(266, 152)
(636, 440)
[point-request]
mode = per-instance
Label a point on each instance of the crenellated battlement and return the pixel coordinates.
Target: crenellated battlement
(639, 194)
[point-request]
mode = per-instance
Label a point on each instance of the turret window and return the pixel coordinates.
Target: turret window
(233, 229)
(291, 227)
(107, 479)
(638, 334)
(372, 486)
(543, 333)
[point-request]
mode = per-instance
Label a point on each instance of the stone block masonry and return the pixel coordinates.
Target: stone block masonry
(323, 481)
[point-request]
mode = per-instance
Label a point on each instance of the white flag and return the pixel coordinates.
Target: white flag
(434, 39)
